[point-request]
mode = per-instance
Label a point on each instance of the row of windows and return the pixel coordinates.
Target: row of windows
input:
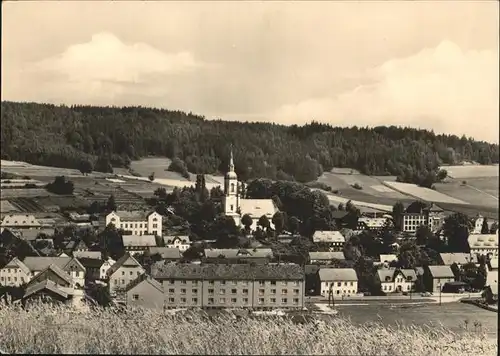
(261, 283)
(348, 292)
(389, 287)
(223, 300)
(8, 279)
(339, 284)
(131, 273)
(233, 291)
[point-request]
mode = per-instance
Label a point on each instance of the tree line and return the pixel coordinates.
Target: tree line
(100, 138)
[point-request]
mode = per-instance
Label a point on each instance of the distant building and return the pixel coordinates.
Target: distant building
(334, 239)
(459, 259)
(395, 280)
(236, 206)
(136, 222)
(368, 223)
(121, 273)
(435, 277)
(97, 255)
(138, 243)
(484, 244)
(181, 243)
(432, 216)
(342, 281)
(231, 286)
(166, 253)
(145, 292)
(25, 221)
(325, 257)
(257, 255)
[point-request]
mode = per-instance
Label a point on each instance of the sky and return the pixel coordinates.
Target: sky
(432, 65)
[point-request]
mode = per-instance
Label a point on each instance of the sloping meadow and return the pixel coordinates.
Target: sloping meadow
(50, 329)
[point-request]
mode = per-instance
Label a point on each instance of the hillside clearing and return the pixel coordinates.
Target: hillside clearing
(471, 171)
(423, 193)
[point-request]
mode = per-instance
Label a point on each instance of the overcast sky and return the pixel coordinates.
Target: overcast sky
(423, 64)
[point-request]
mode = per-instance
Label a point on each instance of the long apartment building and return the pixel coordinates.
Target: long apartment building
(231, 286)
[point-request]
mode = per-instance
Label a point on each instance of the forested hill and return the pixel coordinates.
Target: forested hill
(67, 136)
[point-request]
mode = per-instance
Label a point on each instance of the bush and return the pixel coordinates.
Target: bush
(357, 186)
(58, 329)
(178, 165)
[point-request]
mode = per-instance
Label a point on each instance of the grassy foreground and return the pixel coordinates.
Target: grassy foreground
(49, 329)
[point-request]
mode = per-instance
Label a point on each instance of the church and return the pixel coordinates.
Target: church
(236, 206)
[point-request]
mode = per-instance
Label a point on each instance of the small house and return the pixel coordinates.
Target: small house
(341, 281)
(181, 243)
(325, 257)
(435, 277)
(334, 239)
(395, 280)
(145, 292)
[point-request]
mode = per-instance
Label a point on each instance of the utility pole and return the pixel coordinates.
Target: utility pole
(440, 290)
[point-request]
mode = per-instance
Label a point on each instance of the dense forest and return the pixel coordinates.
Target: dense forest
(99, 138)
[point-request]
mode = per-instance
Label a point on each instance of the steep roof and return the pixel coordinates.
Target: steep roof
(483, 241)
(144, 278)
(441, 272)
(257, 207)
(311, 269)
(90, 262)
(337, 274)
(389, 274)
(125, 261)
(32, 234)
(166, 252)
(45, 284)
(137, 215)
(17, 263)
(58, 271)
(326, 256)
(139, 240)
(171, 239)
(328, 236)
(458, 258)
(239, 253)
(227, 272)
(41, 263)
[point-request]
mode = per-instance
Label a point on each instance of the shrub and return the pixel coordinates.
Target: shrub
(178, 165)
(58, 329)
(357, 186)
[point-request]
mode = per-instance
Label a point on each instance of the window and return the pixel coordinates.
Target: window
(284, 291)
(261, 291)
(183, 300)
(194, 283)
(194, 291)
(261, 300)
(295, 291)
(222, 300)
(233, 300)
(210, 291)
(222, 282)
(352, 284)
(171, 300)
(232, 190)
(273, 300)
(261, 283)
(273, 291)
(339, 284)
(171, 290)
(245, 291)
(273, 283)
(232, 207)
(138, 273)
(77, 274)
(123, 273)
(195, 300)
(222, 291)
(283, 283)
(183, 282)
(131, 272)
(8, 279)
(233, 291)
(245, 300)
(116, 282)
(295, 300)
(345, 283)
(123, 281)
(155, 226)
(284, 300)
(211, 282)
(210, 300)
(183, 291)
(135, 296)
(171, 281)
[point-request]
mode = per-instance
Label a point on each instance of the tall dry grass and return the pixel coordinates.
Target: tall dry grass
(49, 329)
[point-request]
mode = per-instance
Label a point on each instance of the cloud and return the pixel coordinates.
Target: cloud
(443, 88)
(106, 58)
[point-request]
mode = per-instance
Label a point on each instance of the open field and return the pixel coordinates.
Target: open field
(471, 171)
(423, 193)
(487, 185)
(370, 185)
(156, 165)
(468, 193)
(30, 170)
(472, 210)
(54, 330)
(25, 193)
(6, 206)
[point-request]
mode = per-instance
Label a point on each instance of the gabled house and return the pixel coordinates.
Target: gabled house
(145, 292)
(166, 253)
(45, 291)
(138, 243)
(75, 246)
(334, 239)
(460, 259)
(124, 271)
(395, 280)
(68, 264)
(180, 242)
(325, 257)
(103, 274)
(92, 268)
(14, 273)
(435, 277)
(341, 281)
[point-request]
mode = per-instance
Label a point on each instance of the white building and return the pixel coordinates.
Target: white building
(236, 207)
(372, 223)
(138, 243)
(103, 272)
(136, 222)
(21, 221)
(334, 239)
(394, 280)
(484, 244)
(342, 281)
(492, 272)
(182, 243)
(433, 217)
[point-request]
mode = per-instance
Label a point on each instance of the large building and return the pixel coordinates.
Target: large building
(136, 222)
(432, 216)
(231, 286)
(236, 206)
(486, 244)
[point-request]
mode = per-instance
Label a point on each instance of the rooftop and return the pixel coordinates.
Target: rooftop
(257, 207)
(441, 272)
(337, 274)
(458, 258)
(137, 215)
(487, 241)
(41, 263)
(328, 236)
(166, 252)
(139, 241)
(239, 253)
(227, 272)
(326, 256)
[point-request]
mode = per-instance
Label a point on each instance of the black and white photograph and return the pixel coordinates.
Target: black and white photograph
(249, 177)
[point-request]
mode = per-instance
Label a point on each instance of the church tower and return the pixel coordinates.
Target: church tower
(231, 198)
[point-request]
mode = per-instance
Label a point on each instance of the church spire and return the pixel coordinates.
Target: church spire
(231, 161)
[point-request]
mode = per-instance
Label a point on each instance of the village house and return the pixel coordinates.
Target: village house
(121, 273)
(179, 242)
(103, 274)
(368, 223)
(167, 253)
(145, 292)
(236, 206)
(334, 239)
(138, 243)
(341, 281)
(435, 277)
(395, 280)
(325, 257)
(257, 255)
(232, 285)
(136, 222)
(92, 268)
(460, 259)
(20, 221)
(386, 260)
(15, 273)
(484, 244)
